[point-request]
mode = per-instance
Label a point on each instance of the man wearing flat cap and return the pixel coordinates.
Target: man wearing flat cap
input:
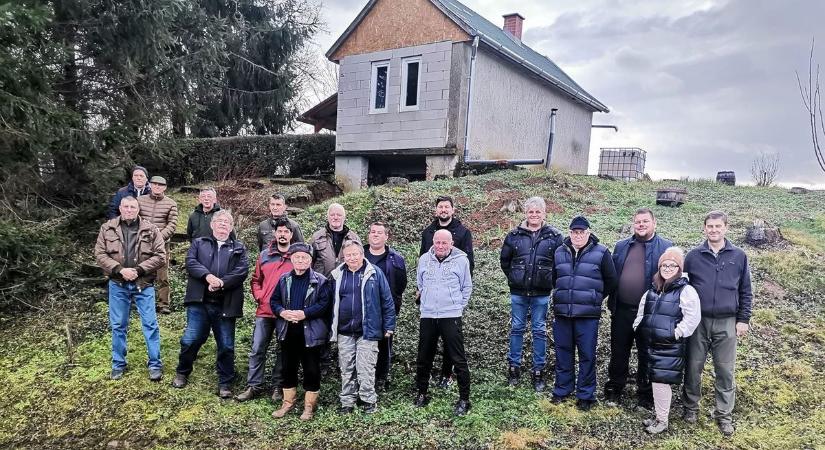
(162, 211)
(584, 276)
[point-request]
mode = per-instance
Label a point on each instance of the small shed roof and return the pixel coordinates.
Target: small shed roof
(322, 115)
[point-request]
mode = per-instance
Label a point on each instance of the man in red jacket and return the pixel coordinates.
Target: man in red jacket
(272, 263)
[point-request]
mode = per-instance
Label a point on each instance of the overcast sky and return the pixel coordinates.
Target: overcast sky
(701, 85)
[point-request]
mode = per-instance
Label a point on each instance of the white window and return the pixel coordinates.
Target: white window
(378, 87)
(410, 83)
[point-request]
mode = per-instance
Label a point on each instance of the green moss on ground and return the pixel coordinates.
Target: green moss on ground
(58, 396)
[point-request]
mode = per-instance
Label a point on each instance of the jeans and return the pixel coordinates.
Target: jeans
(261, 337)
(537, 306)
(200, 318)
(120, 300)
(450, 330)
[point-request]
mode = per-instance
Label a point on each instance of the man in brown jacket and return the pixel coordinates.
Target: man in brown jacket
(162, 211)
(328, 241)
(130, 251)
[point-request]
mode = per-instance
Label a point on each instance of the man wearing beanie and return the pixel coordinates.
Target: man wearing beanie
(635, 259)
(719, 272)
(301, 301)
(584, 275)
(136, 187)
(668, 314)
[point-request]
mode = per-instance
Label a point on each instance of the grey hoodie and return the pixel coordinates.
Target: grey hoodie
(445, 286)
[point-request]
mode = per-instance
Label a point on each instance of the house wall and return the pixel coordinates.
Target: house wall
(359, 130)
(510, 117)
(394, 24)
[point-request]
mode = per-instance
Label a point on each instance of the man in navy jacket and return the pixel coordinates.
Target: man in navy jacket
(635, 259)
(719, 272)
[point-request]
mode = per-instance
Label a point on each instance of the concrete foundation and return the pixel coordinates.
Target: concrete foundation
(441, 165)
(351, 172)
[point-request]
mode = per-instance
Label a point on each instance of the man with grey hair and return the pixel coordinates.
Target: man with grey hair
(217, 266)
(327, 242)
(363, 313)
(201, 217)
(527, 262)
(266, 229)
(136, 187)
(719, 272)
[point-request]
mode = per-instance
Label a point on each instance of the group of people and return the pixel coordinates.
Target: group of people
(332, 288)
(676, 308)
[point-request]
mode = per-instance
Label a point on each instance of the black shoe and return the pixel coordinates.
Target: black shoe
(538, 380)
(370, 408)
(155, 375)
(421, 400)
(381, 385)
(180, 381)
(462, 407)
(585, 405)
(224, 392)
(344, 410)
(556, 400)
(116, 374)
(513, 375)
(248, 394)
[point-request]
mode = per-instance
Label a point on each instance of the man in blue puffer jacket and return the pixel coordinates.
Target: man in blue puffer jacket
(584, 276)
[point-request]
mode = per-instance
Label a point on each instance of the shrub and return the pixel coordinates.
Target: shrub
(187, 161)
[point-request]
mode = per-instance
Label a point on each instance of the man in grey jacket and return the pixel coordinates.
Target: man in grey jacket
(719, 272)
(444, 287)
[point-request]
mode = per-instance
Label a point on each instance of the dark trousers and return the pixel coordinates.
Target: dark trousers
(449, 330)
(295, 353)
(382, 367)
(200, 318)
(622, 338)
(261, 338)
(575, 336)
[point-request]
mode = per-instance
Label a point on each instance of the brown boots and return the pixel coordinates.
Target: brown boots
(290, 397)
(310, 403)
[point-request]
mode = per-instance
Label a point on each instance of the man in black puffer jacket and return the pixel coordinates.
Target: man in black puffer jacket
(527, 261)
(585, 275)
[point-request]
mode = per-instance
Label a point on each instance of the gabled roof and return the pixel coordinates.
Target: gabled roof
(502, 43)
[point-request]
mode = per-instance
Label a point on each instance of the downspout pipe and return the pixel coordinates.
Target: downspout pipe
(470, 100)
(606, 126)
(483, 162)
(552, 136)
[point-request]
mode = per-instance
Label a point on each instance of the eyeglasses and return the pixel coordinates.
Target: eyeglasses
(669, 266)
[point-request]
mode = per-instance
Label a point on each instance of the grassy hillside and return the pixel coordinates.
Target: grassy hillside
(59, 396)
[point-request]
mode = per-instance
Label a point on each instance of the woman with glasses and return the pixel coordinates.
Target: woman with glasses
(668, 313)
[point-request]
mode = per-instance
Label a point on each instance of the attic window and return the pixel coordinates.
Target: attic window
(410, 83)
(378, 87)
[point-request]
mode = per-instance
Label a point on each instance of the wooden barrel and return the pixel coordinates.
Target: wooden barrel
(672, 196)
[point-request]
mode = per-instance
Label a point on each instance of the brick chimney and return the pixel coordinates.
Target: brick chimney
(513, 23)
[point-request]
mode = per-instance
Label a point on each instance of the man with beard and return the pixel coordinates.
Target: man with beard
(272, 263)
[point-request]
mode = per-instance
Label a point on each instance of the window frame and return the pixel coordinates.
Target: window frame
(402, 103)
(374, 86)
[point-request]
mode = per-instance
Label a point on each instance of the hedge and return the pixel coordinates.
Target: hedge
(185, 161)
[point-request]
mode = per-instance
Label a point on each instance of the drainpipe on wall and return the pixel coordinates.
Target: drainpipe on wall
(467, 159)
(552, 135)
(469, 100)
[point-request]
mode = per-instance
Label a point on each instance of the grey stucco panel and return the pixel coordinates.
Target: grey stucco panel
(359, 129)
(457, 110)
(510, 117)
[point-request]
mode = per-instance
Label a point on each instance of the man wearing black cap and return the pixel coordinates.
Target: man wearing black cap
(584, 276)
(162, 211)
(136, 187)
